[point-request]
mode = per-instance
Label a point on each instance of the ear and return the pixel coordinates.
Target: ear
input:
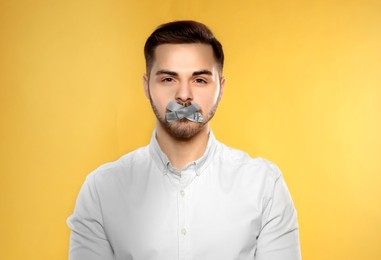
(146, 85)
(222, 88)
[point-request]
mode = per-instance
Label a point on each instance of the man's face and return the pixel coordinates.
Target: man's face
(184, 73)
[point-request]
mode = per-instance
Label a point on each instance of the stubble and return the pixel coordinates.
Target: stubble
(183, 129)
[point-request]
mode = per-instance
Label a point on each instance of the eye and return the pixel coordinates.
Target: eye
(200, 81)
(167, 80)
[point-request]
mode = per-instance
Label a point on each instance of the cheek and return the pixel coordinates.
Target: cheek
(160, 99)
(208, 100)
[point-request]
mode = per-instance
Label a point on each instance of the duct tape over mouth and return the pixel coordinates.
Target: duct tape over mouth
(178, 112)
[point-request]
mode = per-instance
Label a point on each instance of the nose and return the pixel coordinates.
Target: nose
(184, 93)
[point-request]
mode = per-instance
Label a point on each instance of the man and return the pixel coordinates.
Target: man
(185, 195)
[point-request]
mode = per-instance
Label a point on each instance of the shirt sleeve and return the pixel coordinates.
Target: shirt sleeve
(88, 240)
(279, 236)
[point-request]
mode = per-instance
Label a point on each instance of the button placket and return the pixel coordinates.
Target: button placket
(184, 233)
(182, 225)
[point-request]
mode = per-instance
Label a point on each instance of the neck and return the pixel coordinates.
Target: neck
(182, 152)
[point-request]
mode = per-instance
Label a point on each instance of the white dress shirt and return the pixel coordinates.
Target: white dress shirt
(224, 206)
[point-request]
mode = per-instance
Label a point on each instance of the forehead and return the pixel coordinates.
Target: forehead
(177, 57)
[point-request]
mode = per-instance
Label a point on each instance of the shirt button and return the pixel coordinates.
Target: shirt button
(182, 193)
(183, 231)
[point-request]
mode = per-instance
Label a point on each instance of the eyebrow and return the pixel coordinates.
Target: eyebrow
(167, 72)
(202, 72)
(172, 73)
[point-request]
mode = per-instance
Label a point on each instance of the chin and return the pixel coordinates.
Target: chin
(183, 129)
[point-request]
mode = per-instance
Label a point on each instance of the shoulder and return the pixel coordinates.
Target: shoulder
(236, 170)
(114, 171)
(243, 162)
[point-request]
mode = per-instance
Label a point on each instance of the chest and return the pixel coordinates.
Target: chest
(201, 221)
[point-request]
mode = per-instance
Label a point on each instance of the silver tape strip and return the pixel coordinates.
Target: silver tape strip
(178, 112)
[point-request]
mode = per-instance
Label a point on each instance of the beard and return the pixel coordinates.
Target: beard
(183, 129)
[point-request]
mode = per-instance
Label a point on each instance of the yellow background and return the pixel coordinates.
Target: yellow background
(303, 90)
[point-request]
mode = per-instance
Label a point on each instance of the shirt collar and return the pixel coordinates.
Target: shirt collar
(162, 161)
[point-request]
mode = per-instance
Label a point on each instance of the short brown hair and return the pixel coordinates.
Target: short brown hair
(179, 32)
